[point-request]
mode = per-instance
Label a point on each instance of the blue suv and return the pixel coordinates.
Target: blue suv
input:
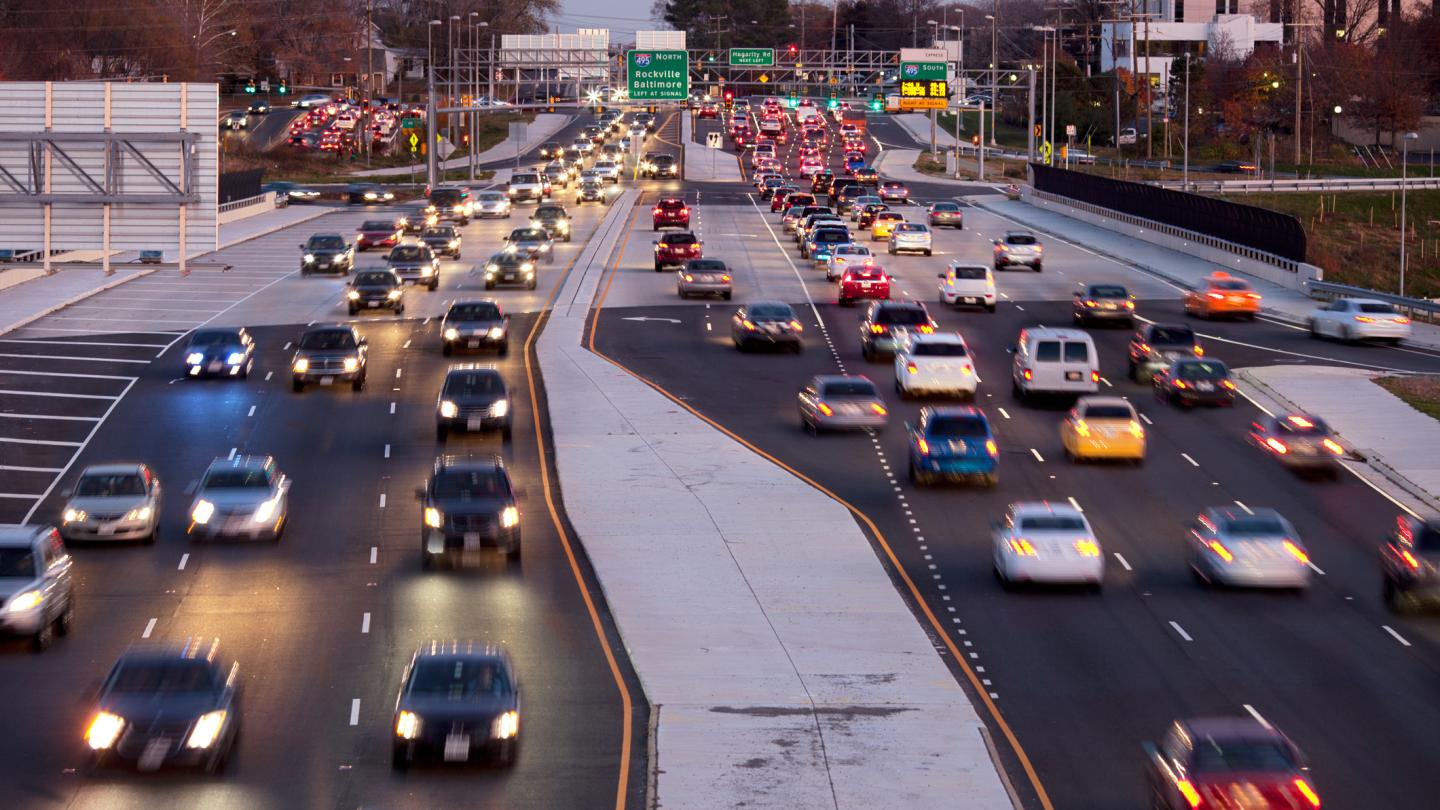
(953, 442)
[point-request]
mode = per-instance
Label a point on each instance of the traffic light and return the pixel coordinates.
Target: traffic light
(792, 50)
(729, 99)
(250, 87)
(282, 89)
(877, 102)
(834, 102)
(975, 139)
(465, 138)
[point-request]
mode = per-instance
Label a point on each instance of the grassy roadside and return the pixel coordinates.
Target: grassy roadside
(1420, 392)
(1007, 135)
(927, 164)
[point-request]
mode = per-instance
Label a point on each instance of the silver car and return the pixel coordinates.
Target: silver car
(113, 502)
(415, 264)
(703, 277)
(492, 204)
(1234, 546)
(910, 237)
(243, 496)
(36, 593)
(841, 402)
(532, 243)
(845, 256)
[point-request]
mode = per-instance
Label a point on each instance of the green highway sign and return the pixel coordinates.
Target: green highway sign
(410, 122)
(658, 75)
(752, 57)
(923, 85)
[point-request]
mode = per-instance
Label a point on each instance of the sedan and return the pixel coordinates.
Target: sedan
(1252, 547)
(220, 352)
(241, 496)
(368, 194)
(508, 267)
(703, 277)
(378, 233)
(1046, 542)
(894, 191)
(475, 324)
(1356, 319)
(841, 402)
(883, 224)
(1195, 381)
(910, 237)
(326, 354)
(947, 214)
(937, 363)
(766, 323)
(1300, 442)
(468, 505)
(326, 253)
(864, 283)
(291, 192)
(472, 398)
(457, 699)
(1019, 248)
(375, 289)
(492, 204)
(531, 243)
(1103, 302)
(443, 240)
(167, 706)
(843, 257)
(1225, 762)
(113, 502)
(1410, 564)
(1103, 427)
(953, 443)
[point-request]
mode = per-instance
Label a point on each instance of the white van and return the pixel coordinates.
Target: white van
(963, 283)
(1055, 361)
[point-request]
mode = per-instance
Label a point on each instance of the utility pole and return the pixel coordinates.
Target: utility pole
(994, 68)
(1030, 126)
(369, 74)
(430, 104)
(1404, 175)
(1299, 76)
(1185, 172)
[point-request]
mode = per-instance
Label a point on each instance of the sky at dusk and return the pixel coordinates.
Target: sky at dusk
(622, 17)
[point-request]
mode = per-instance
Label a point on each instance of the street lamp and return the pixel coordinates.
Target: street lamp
(994, 67)
(1404, 160)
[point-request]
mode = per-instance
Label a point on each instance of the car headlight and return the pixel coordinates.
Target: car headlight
(500, 408)
(454, 243)
(393, 294)
(203, 511)
(544, 248)
(207, 729)
(491, 267)
(433, 518)
(235, 358)
(451, 333)
(266, 510)
(24, 601)
(353, 295)
(457, 209)
(104, 730)
(448, 409)
(301, 365)
(370, 195)
(74, 515)
(389, 195)
(407, 725)
(497, 332)
(528, 267)
(194, 358)
(510, 191)
(309, 258)
(562, 225)
(427, 270)
(509, 516)
(138, 513)
(351, 363)
(404, 222)
(507, 725)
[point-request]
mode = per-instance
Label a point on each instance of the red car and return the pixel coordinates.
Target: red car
(670, 213)
(856, 145)
(777, 200)
(864, 283)
(1224, 762)
(378, 233)
(709, 111)
(675, 249)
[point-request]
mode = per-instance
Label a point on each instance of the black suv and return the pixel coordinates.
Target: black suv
(473, 324)
(553, 219)
(329, 353)
(507, 267)
(326, 252)
(473, 398)
(1410, 563)
(468, 504)
(1156, 345)
(443, 240)
(664, 166)
(1195, 381)
(887, 323)
(458, 700)
(375, 289)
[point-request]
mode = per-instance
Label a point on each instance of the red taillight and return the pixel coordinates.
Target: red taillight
(1229, 386)
(1254, 296)
(1192, 796)
(750, 325)
(991, 448)
(912, 368)
(658, 211)
(1129, 304)
(695, 246)
(877, 329)
(725, 278)
(1401, 320)
(1306, 792)
(877, 408)
(1333, 446)
(1277, 445)
(1028, 375)
(1409, 559)
(1179, 383)
(1094, 376)
(1364, 319)
(923, 447)
(825, 409)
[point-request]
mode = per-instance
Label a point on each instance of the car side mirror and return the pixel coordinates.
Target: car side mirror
(301, 246)
(1010, 349)
(656, 242)
(65, 493)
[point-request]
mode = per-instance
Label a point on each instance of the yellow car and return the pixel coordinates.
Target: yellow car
(884, 225)
(1223, 295)
(1103, 427)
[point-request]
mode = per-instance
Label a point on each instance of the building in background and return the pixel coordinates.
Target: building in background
(1198, 27)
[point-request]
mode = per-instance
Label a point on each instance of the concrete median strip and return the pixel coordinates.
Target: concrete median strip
(783, 668)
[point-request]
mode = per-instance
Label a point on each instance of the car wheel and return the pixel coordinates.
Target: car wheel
(358, 384)
(681, 293)
(990, 308)
(447, 350)
(41, 641)
(513, 554)
(1005, 583)
(353, 310)
(504, 349)
(489, 285)
(66, 619)
(658, 267)
(1038, 267)
(297, 386)
(400, 754)
(928, 252)
(530, 285)
(441, 433)
(1346, 335)
(434, 285)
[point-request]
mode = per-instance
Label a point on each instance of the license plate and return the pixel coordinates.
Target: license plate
(457, 747)
(473, 343)
(472, 541)
(1205, 386)
(327, 380)
(509, 277)
(474, 423)
(324, 265)
(372, 303)
(105, 529)
(154, 754)
(866, 284)
(970, 299)
(214, 365)
(1072, 375)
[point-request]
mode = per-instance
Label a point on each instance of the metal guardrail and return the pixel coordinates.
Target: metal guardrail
(243, 203)
(1322, 184)
(1326, 290)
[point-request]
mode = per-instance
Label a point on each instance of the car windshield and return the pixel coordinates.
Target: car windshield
(832, 236)
(445, 232)
(237, 478)
(325, 243)
(490, 196)
(473, 383)
(383, 279)
(1108, 412)
(214, 337)
(17, 563)
(910, 228)
(110, 485)
(184, 676)
(446, 196)
(1254, 525)
(945, 207)
(1234, 756)
(457, 679)
(523, 179)
(378, 225)
(771, 312)
(678, 239)
(527, 235)
(671, 205)
(850, 388)
(1045, 523)
(481, 311)
(706, 265)
(1020, 239)
(968, 273)
(902, 316)
(1108, 291)
(549, 212)
(853, 250)
(664, 160)
(1201, 370)
(1172, 336)
(1377, 309)
(957, 427)
(470, 484)
(1303, 425)
(1232, 286)
(333, 339)
(408, 253)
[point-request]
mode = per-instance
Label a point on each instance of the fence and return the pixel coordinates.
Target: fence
(1323, 184)
(240, 185)
(1265, 232)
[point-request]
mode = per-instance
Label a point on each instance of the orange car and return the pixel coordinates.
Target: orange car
(1222, 295)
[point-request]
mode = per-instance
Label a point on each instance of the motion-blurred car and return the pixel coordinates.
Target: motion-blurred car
(457, 699)
(310, 101)
(1103, 302)
(237, 119)
(415, 264)
(1195, 381)
(947, 214)
(767, 323)
(467, 505)
(1221, 295)
(779, 198)
(378, 233)
(608, 170)
(172, 705)
(953, 443)
(551, 149)
(449, 204)
(492, 204)
(1019, 248)
(368, 194)
(1227, 762)
(1355, 319)
(709, 110)
(526, 187)
(554, 219)
(36, 585)
(841, 402)
(508, 267)
(1410, 564)
(1046, 542)
(591, 191)
(241, 496)
(443, 240)
(1156, 345)
(259, 108)
(843, 257)
(119, 501)
(326, 253)
(1254, 547)
(866, 176)
(327, 354)
(473, 398)
(1300, 442)
(557, 174)
(1233, 166)
(664, 166)
(375, 289)
(1103, 428)
(934, 363)
(883, 223)
(968, 284)
(703, 277)
(865, 215)
(475, 324)
(676, 248)
(291, 192)
(532, 243)
(670, 212)
(859, 203)
(225, 351)
(886, 326)
(867, 282)
(910, 237)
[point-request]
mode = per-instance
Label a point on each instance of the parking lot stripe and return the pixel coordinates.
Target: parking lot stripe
(46, 416)
(9, 468)
(40, 441)
(69, 357)
(47, 394)
(62, 374)
(19, 495)
(90, 436)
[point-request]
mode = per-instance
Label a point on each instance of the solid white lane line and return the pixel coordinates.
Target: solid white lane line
(365, 623)
(268, 375)
(20, 496)
(1145, 419)
(397, 373)
(1192, 461)
(1123, 562)
(1315, 568)
(286, 347)
(1004, 413)
(184, 558)
(382, 500)
(1037, 455)
(149, 628)
(1075, 503)
(406, 346)
(252, 411)
(392, 407)
(355, 712)
(1258, 718)
(1247, 509)
(1107, 383)
(374, 552)
(387, 451)
(46, 416)
(1395, 635)
(232, 452)
(1181, 631)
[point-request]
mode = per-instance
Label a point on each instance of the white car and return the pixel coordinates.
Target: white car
(492, 204)
(1250, 548)
(937, 363)
(113, 502)
(311, 100)
(963, 283)
(843, 256)
(1360, 319)
(583, 145)
(346, 120)
(1046, 542)
(608, 170)
(910, 237)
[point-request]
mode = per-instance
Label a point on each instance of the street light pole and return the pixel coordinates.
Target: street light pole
(1404, 174)
(430, 104)
(994, 67)
(1185, 174)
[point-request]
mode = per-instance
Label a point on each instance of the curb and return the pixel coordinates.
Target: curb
(318, 212)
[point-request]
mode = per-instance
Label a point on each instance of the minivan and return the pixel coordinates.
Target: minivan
(968, 284)
(1055, 361)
